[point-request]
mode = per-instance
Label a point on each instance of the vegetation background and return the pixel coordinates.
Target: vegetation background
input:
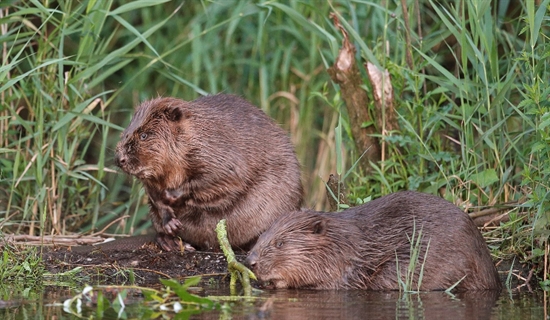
(469, 92)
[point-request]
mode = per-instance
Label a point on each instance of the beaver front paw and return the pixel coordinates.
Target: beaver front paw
(172, 226)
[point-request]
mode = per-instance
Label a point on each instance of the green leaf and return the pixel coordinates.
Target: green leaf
(538, 146)
(184, 295)
(134, 5)
(536, 24)
(296, 16)
(545, 121)
(485, 178)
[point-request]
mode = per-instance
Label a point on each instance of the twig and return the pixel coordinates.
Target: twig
(235, 268)
(110, 224)
(488, 211)
(65, 240)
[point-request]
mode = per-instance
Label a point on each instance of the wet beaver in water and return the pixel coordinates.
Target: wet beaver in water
(365, 246)
(218, 157)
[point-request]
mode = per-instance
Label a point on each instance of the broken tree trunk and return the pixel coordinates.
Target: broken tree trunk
(382, 92)
(346, 73)
(364, 125)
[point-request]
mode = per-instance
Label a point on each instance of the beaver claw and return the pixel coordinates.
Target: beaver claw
(172, 226)
(170, 243)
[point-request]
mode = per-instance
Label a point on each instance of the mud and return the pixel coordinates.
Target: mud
(111, 264)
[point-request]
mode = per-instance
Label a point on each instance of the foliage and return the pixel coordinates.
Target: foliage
(535, 110)
(173, 298)
(20, 265)
(54, 110)
(413, 272)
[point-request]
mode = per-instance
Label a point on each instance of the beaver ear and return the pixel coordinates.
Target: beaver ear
(176, 113)
(320, 227)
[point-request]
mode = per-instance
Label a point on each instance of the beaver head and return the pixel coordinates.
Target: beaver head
(306, 249)
(158, 145)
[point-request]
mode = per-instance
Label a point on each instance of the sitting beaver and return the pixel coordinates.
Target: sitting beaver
(369, 247)
(218, 157)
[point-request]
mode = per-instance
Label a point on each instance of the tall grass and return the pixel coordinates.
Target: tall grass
(411, 274)
(471, 99)
(55, 110)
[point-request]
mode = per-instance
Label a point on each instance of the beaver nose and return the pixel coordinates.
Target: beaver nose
(120, 159)
(251, 260)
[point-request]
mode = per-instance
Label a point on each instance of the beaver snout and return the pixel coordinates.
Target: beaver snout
(120, 159)
(251, 260)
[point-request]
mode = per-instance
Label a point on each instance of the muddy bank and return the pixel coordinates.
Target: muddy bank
(108, 263)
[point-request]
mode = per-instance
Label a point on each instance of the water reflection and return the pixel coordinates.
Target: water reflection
(318, 305)
(381, 305)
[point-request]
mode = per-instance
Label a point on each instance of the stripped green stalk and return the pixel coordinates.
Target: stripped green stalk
(236, 269)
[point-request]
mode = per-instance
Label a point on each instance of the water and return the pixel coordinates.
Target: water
(317, 305)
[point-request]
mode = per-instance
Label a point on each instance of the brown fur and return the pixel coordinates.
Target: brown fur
(213, 158)
(358, 248)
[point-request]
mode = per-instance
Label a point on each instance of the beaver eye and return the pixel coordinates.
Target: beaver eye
(143, 136)
(279, 244)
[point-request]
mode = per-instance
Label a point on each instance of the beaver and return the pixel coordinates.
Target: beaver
(370, 247)
(217, 157)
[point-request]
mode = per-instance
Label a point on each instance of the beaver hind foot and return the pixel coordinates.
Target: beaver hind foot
(172, 244)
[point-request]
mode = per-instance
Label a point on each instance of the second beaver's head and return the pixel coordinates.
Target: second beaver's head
(305, 249)
(157, 145)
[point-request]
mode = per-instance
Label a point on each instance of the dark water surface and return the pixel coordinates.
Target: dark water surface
(318, 305)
